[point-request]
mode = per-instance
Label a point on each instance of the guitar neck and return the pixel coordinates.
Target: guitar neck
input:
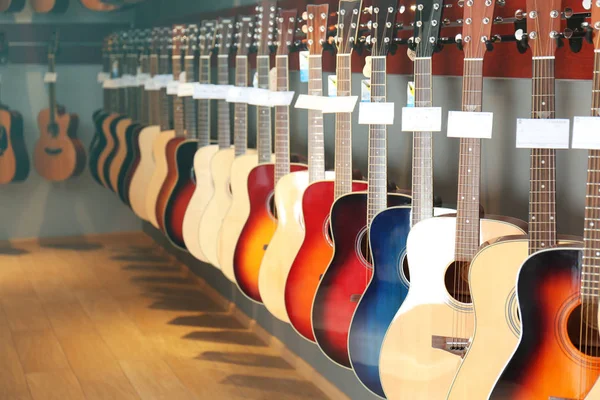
(469, 168)
(224, 129)
(542, 189)
(178, 116)
(142, 95)
(377, 192)
(153, 96)
(204, 104)
(422, 161)
(191, 125)
(240, 125)
(343, 130)
(282, 122)
(316, 138)
(52, 90)
(163, 99)
(263, 114)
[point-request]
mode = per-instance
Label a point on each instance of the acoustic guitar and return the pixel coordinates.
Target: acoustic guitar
(220, 163)
(204, 186)
(166, 127)
(99, 5)
(14, 159)
(262, 220)
(316, 249)
(557, 354)
(10, 6)
(58, 154)
(428, 336)
(151, 113)
(49, 6)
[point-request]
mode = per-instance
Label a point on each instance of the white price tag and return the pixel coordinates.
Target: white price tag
(586, 133)
(273, 79)
(258, 97)
(128, 80)
(142, 78)
(172, 87)
(102, 76)
(332, 86)
(50, 77)
(281, 98)
(306, 102)
(151, 85)
(163, 80)
(326, 104)
(376, 114)
(542, 133)
(236, 95)
(110, 84)
(202, 91)
(185, 89)
(421, 119)
(470, 125)
(219, 92)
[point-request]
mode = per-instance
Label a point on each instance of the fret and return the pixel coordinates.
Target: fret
(223, 107)
(164, 118)
(263, 114)
(282, 126)
(178, 113)
(240, 127)
(189, 104)
(316, 139)
(203, 105)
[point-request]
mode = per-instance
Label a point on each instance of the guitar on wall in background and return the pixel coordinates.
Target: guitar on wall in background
(49, 6)
(11, 6)
(14, 159)
(58, 154)
(350, 269)
(99, 5)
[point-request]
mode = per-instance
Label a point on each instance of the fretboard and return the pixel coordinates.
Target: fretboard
(422, 161)
(343, 129)
(153, 95)
(316, 139)
(469, 168)
(590, 273)
(542, 189)
(263, 114)
(163, 98)
(224, 131)
(377, 192)
(142, 95)
(178, 115)
(282, 122)
(240, 125)
(204, 104)
(191, 125)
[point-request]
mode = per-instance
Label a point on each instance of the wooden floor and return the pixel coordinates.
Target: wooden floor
(114, 318)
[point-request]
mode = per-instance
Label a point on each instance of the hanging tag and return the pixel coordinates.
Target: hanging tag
(542, 133)
(376, 114)
(258, 97)
(185, 89)
(470, 125)
(280, 98)
(410, 94)
(109, 84)
(365, 90)
(307, 102)
(163, 80)
(255, 80)
(303, 65)
(219, 92)
(332, 86)
(342, 104)
(128, 80)
(102, 76)
(202, 91)
(273, 79)
(585, 133)
(367, 68)
(50, 77)
(421, 119)
(142, 78)
(182, 77)
(151, 85)
(172, 87)
(236, 95)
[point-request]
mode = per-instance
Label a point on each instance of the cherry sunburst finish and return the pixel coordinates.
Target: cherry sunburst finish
(350, 269)
(558, 353)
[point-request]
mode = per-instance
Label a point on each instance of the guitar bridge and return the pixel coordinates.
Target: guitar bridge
(456, 346)
(355, 298)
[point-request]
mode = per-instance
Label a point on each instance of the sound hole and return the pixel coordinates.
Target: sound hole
(271, 206)
(52, 152)
(362, 248)
(404, 271)
(457, 281)
(3, 140)
(327, 233)
(582, 328)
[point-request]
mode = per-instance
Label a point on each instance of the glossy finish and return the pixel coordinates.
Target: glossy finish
(109, 143)
(346, 277)
(14, 160)
(546, 363)
(143, 173)
(130, 162)
(120, 152)
(258, 229)
(160, 172)
(97, 145)
(169, 182)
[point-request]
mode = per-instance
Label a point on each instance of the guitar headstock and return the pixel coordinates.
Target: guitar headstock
(383, 20)
(165, 40)
(192, 39)
(286, 29)
(224, 36)
(244, 36)
(316, 17)
(266, 15)
(155, 40)
(543, 26)
(595, 24)
(347, 25)
(478, 17)
(179, 39)
(428, 21)
(206, 39)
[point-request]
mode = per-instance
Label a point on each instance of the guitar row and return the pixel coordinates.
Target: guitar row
(61, 6)
(420, 302)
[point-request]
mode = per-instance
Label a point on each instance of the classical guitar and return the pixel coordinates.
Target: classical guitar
(424, 344)
(58, 154)
(14, 159)
(151, 114)
(557, 354)
(220, 164)
(181, 166)
(204, 187)
(289, 232)
(262, 220)
(49, 6)
(166, 126)
(10, 6)
(238, 212)
(317, 249)
(350, 268)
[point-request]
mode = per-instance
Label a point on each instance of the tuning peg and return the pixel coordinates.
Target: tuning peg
(459, 42)
(489, 45)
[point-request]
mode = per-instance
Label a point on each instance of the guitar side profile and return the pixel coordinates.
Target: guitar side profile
(14, 160)
(10, 6)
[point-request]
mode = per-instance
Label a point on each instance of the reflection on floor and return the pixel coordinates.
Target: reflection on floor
(114, 318)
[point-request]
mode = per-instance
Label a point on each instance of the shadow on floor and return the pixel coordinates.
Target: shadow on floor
(246, 359)
(75, 243)
(220, 321)
(141, 258)
(285, 386)
(6, 249)
(244, 338)
(152, 268)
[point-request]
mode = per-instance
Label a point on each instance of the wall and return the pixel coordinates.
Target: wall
(37, 208)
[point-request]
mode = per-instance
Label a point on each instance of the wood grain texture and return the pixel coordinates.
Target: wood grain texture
(160, 173)
(143, 174)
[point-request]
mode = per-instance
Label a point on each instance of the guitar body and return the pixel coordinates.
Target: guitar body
(98, 5)
(12, 5)
(14, 160)
(410, 367)
(130, 163)
(97, 145)
(286, 242)
(143, 173)
(120, 152)
(238, 212)
(159, 151)
(258, 229)
(49, 6)
(57, 157)
(111, 148)
(314, 255)
(547, 362)
(109, 143)
(182, 192)
(200, 198)
(347, 275)
(169, 182)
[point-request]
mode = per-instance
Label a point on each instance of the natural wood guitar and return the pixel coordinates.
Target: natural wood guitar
(10, 6)
(99, 5)
(14, 160)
